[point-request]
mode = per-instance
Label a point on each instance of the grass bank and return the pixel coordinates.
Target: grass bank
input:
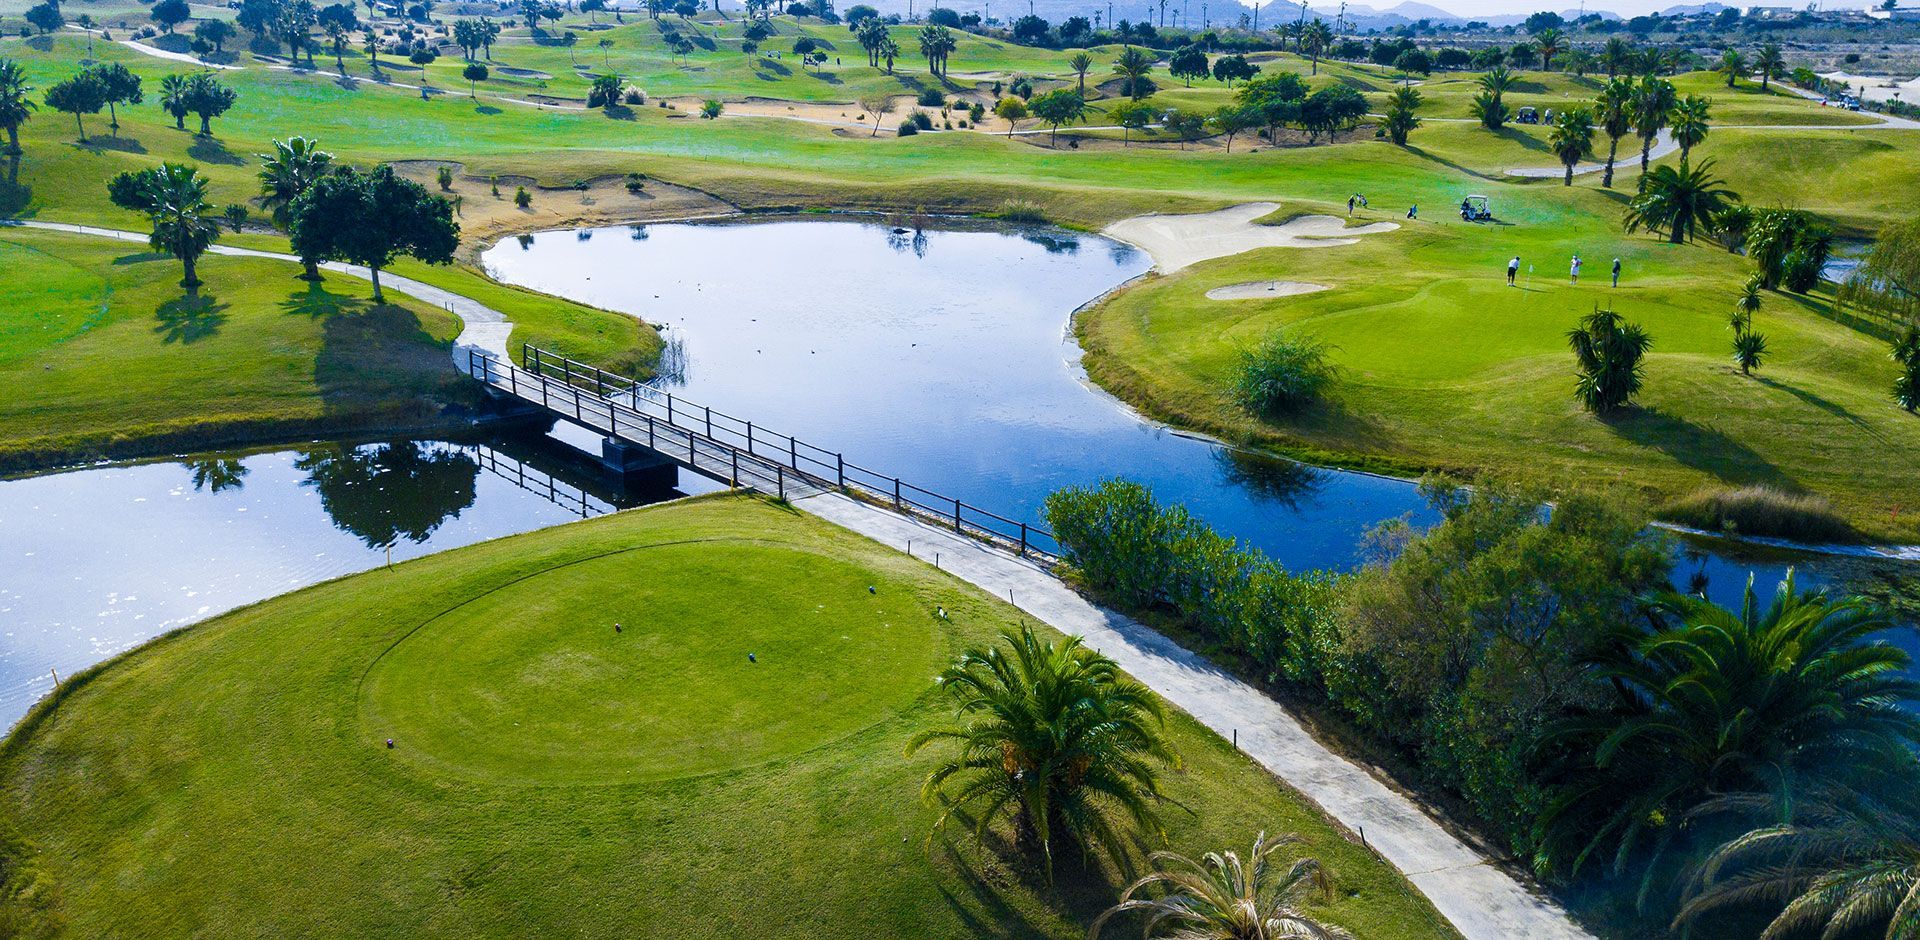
(554, 776)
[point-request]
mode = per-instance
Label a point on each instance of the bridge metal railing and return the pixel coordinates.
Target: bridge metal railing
(735, 450)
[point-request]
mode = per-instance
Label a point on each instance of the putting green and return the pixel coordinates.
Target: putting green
(530, 683)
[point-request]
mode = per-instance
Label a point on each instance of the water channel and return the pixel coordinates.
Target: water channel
(941, 355)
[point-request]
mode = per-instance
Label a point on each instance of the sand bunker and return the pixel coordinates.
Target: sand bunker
(1263, 290)
(1176, 241)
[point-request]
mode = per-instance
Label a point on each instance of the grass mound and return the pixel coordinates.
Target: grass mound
(233, 779)
(1762, 510)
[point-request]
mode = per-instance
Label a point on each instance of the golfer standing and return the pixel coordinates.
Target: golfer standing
(1513, 270)
(1573, 276)
(1616, 272)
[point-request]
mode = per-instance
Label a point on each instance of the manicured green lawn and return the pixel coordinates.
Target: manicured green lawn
(551, 776)
(101, 350)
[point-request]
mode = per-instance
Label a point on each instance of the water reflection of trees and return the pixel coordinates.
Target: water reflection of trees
(384, 491)
(1054, 244)
(671, 370)
(1288, 483)
(215, 474)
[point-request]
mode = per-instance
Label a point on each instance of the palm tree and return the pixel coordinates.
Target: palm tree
(1080, 63)
(936, 43)
(1549, 41)
(1689, 122)
(287, 173)
(174, 98)
(1401, 118)
(1732, 65)
(1748, 348)
(1848, 866)
(1680, 201)
(1615, 117)
(1617, 56)
(1653, 101)
(1711, 702)
(1572, 138)
(1608, 350)
(1224, 897)
(1769, 63)
(174, 197)
(1747, 305)
(1132, 65)
(1053, 733)
(15, 106)
(1490, 104)
(1315, 39)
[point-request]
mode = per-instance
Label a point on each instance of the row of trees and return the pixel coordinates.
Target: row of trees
(1534, 660)
(332, 213)
(108, 86)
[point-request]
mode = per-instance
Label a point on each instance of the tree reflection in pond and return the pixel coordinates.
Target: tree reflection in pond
(380, 492)
(214, 474)
(1275, 480)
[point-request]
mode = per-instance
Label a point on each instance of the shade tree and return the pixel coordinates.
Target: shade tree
(173, 196)
(371, 219)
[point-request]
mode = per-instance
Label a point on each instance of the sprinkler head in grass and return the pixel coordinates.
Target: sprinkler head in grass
(751, 658)
(870, 590)
(616, 628)
(389, 744)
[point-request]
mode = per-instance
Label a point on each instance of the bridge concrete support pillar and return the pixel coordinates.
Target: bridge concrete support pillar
(638, 467)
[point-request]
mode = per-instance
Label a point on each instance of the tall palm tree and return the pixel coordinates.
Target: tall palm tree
(1614, 114)
(1572, 138)
(1224, 897)
(1777, 700)
(174, 198)
(1769, 63)
(1490, 104)
(1080, 63)
(15, 106)
(936, 44)
(1617, 57)
(1053, 733)
(1689, 122)
(1132, 65)
(1681, 201)
(1653, 100)
(175, 90)
(1732, 65)
(287, 173)
(1748, 305)
(1549, 41)
(1315, 39)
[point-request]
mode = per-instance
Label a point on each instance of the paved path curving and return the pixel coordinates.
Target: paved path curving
(482, 327)
(1481, 900)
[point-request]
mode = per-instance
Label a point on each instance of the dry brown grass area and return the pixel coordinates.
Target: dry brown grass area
(602, 200)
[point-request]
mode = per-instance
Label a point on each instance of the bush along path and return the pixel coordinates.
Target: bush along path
(482, 328)
(1482, 901)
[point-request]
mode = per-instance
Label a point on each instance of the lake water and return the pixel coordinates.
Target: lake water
(942, 356)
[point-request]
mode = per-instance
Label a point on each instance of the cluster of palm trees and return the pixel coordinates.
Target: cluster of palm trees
(936, 46)
(1767, 62)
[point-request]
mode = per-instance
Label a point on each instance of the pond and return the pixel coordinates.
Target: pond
(941, 355)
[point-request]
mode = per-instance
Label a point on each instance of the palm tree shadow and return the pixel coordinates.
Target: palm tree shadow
(1443, 161)
(1697, 447)
(14, 197)
(190, 318)
(315, 302)
(1522, 138)
(116, 144)
(210, 150)
(1830, 407)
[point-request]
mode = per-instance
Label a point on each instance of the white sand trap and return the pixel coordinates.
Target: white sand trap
(1176, 241)
(1263, 290)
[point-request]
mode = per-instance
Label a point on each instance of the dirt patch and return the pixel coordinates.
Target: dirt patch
(485, 218)
(1263, 290)
(1176, 241)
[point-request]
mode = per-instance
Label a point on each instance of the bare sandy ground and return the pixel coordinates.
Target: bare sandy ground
(1263, 290)
(485, 217)
(1177, 241)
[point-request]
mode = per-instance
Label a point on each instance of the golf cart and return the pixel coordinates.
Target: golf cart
(1527, 116)
(1476, 209)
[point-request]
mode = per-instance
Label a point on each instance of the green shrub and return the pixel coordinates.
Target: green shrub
(522, 198)
(921, 120)
(445, 176)
(1283, 374)
(932, 98)
(908, 128)
(1761, 510)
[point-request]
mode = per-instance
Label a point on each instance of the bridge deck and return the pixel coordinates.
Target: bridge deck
(732, 450)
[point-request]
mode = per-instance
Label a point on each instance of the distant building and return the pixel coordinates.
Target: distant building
(1897, 14)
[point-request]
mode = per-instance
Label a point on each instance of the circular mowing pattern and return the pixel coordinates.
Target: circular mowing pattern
(532, 684)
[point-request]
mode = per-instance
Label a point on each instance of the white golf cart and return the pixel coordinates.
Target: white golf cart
(1476, 209)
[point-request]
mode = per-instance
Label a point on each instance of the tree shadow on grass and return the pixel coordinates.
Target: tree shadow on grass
(375, 355)
(1830, 407)
(190, 319)
(992, 865)
(14, 197)
(110, 143)
(140, 257)
(778, 68)
(1522, 138)
(1698, 447)
(486, 109)
(1443, 161)
(211, 150)
(314, 302)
